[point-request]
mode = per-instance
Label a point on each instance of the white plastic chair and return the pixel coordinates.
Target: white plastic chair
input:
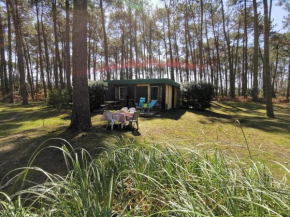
(134, 119)
(132, 110)
(110, 120)
(124, 109)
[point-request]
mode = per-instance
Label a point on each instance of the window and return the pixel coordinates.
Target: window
(121, 92)
(154, 93)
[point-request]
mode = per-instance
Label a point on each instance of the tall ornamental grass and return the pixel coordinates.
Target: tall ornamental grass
(134, 180)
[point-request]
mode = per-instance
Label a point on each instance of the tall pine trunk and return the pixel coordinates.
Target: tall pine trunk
(288, 86)
(10, 68)
(67, 48)
(19, 50)
(105, 40)
(245, 73)
(81, 118)
(200, 41)
(269, 104)
(40, 49)
(232, 75)
(256, 52)
(3, 72)
(48, 68)
(58, 73)
(170, 48)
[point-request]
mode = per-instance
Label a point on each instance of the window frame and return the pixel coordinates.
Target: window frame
(158, 88)
(120, 93)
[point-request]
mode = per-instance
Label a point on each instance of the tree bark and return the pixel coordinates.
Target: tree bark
(19, 50)
(256, 52)
(40, 49)
(81, 118)
(67, 48)
(10, 68)
(170, 48)
(288, 87)
(48, 68)
(3, 72)
(269, 104)
(89, 49)
(200, 42)
(105, 41)
(131, 44)
(29, 78)
(57, 55)
(245, 73)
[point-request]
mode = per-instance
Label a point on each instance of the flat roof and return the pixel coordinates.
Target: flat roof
(144, 81)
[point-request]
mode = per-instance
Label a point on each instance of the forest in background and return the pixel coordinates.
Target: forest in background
(229, 44)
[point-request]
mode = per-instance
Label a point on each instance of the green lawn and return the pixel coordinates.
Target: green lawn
(24, 128)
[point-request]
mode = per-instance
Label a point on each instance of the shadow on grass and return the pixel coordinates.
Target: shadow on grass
(15, 152)
(280, 124)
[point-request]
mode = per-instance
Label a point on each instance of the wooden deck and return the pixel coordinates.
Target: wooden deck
(149, 114)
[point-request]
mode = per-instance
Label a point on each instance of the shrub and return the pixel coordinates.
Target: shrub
(59, 98)
(198, 95)
(97, 90)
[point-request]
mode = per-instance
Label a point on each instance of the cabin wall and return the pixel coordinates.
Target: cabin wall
(168, 97)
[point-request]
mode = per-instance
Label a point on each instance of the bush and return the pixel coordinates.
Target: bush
(97, 90)
(198, 95)
(59, 98)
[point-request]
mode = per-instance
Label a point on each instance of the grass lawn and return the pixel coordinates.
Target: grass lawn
(24, 128)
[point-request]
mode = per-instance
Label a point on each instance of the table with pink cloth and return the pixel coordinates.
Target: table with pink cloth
(122, 116)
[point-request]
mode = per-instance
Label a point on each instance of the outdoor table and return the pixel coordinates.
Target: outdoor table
(112, 104)
(121, 116)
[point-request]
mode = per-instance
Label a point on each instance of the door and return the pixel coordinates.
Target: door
(141, 91)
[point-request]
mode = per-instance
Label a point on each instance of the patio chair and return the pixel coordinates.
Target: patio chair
(110, 120)
(134, 119)
(132, 109)
(124, 109)
(141, 102)
(151, 104)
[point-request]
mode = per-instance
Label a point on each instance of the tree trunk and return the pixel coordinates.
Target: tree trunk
(166, 53)
(186, 45)
(94, 61)
(200, 42)
(269, 104)
(10, 68)
(89, 49)
(256, 52)
(170, 48)
(81, 118)
(19, 49)
(67, 48)
(131, 45)
(137, 70)
(3, 72)
(48, 68)
(276, 67)
(288, 87)
(177, 62)
(105, 40)
(29, 78)
(57, 55)
(245, 73)
(232, 76)
(40, 49)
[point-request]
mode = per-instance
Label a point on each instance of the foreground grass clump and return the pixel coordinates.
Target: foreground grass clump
(136, 180)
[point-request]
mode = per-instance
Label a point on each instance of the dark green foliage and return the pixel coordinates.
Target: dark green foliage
(59, 98)
(198, 95)
(97, 90)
